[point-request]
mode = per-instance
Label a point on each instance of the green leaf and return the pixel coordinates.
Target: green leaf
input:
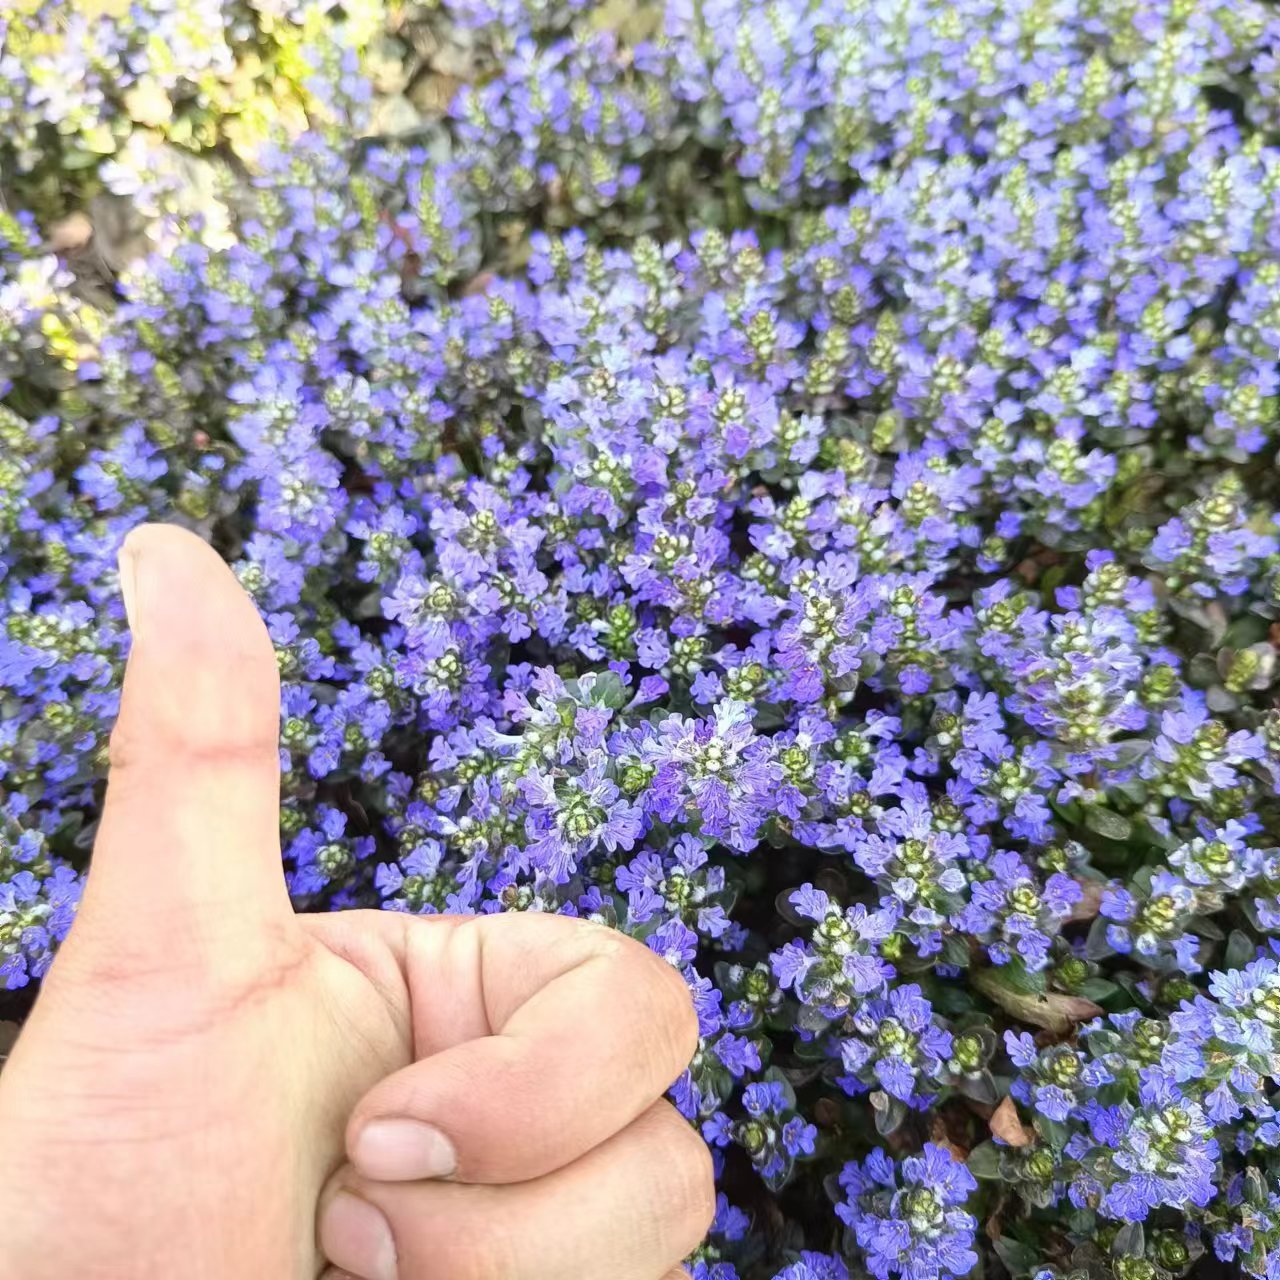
(1145, 833)
(1246, 630)
(1204, 927)
(800, 1074)
(1240, 950)
(952, 1002)
(785, 908)
(79, 158)
(1097, 989)
(604, 689)
(1255, 1187)
(813, 1049)
(1219, 701)
(1130, 751)
(1129, 1241)
(912, 963)
(890, 1112)
(1107, 823)
(1019, 1258)
(984, 1161)
(1096, 946)
(812, 1019)
(981, 1088)
(1016, 977)
(1054, 1132)
(955, 951)
(1202, 671)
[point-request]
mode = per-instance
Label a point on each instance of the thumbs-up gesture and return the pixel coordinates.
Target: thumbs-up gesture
(213, 1088)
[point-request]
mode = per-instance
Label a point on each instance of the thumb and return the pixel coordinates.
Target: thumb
(190, 828)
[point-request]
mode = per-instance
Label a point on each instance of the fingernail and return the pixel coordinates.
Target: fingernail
(127, 567)
(403, 1151)
(355, 1236)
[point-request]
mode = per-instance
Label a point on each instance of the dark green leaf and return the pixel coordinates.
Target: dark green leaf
(607, 690)
(1107, 823)
(1240, 950)
(1129, 1241)
(1096, 946)
(1019, 1258)
(1097, 989)
(1203, 927)
(1054, 1132)
(955, 951)
(1202, 671)
(1017, 977)
(981, 1088)
(889, 1112)
(1128, 753)
(1219, 701)
(984, 1161)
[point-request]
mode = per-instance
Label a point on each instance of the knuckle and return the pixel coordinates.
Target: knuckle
(674, 1023)
(602, 940)
(486, 1255)
(689, 1192)
(684, 1018)
(412, 1091)
(702, 1187)
(661, 1005)
(664, 987)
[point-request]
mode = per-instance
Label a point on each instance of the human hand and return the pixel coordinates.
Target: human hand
(213, 1088)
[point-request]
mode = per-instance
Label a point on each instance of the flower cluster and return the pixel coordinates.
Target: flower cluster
(788, 481)
(910, 1220)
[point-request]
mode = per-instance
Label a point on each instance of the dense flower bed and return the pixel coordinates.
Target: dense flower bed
(795, 481)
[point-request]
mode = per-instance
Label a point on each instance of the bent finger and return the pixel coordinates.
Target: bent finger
(630, 1209)
(539, 1037)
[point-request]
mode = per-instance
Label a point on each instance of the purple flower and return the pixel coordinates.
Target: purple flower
(896, 1046)
(907, 1219)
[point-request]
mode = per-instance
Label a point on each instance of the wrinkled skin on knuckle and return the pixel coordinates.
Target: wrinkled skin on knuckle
(666, 1014)
(603, 941)
(666, 1018)
(687, 1176)
(683, 1022)
(491, 1254)
(701, 1188)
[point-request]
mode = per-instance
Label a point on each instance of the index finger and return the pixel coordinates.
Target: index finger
(538, 1037)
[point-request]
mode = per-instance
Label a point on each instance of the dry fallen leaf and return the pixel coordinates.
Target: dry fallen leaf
(1054, 1012)
(1090, 901)
(1006, 1125)
(826, 1113)
(939, 1136)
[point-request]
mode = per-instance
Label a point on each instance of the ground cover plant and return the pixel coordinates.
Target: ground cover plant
(793, 480)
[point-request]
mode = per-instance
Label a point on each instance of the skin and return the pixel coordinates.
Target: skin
(212, 1087)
